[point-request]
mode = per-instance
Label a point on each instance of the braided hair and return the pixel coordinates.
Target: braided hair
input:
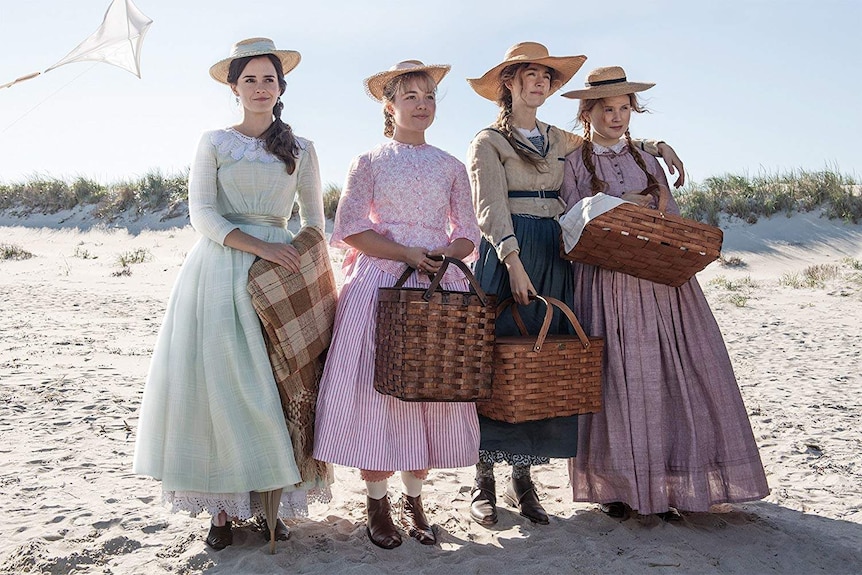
(504, 118)
(597, 184)
(278, 138)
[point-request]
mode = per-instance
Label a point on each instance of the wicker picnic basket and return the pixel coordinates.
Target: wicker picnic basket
(434, 345)
(648, 243)
(538, 377)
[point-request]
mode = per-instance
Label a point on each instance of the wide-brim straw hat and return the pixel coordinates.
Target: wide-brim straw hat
(374, 85)
(254, 47)
(527, 53)
(607, 82)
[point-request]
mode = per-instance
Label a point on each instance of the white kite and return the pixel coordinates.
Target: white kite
(117, 41)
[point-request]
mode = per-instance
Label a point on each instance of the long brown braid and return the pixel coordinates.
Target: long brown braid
(278, 137)
(597, 185)
(504, 118)
(397, 85)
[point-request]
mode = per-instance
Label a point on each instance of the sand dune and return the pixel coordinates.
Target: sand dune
(76, 332)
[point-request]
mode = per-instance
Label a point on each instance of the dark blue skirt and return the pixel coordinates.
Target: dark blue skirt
(539, 242)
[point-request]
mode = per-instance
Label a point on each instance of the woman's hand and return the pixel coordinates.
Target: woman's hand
(284, 255)
(519, 281)
(418, 258)
(673, 162)
(637, 198)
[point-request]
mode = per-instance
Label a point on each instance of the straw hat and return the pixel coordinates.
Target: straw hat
(375, 84)
(606, 82)
(526, 52)
(254, 47)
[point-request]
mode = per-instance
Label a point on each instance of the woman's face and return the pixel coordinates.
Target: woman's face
(530, 86)
(414, 107)
(610, 119)
(257, 86)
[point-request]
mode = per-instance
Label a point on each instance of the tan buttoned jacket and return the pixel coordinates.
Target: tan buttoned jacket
(496, 169)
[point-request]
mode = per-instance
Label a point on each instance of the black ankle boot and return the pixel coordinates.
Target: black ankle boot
(483, 508)
(521, 493)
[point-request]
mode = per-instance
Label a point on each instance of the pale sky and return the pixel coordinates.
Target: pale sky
(742, 86)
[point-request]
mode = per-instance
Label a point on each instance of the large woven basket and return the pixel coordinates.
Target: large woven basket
(648, 243)
(538, 377)
(434, 345)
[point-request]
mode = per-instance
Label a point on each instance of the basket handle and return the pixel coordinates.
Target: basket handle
(550, 304)
(661, 195)
(438, 277)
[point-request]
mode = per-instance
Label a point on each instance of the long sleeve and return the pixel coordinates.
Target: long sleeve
(354, 207)
(308, 189)
(490, 195)
(462, 218)
(203, 193)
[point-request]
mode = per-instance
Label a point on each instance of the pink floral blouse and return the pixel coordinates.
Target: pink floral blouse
(413, 195)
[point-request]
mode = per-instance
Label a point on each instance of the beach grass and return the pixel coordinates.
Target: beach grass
(763, 195)
(839, 195)
(13, 252)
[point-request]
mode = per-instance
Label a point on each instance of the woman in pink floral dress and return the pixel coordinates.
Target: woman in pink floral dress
(404, 202)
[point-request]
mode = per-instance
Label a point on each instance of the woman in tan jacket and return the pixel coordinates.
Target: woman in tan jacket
(516, 169)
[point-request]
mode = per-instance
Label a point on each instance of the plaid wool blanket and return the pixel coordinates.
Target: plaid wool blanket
(297, 311)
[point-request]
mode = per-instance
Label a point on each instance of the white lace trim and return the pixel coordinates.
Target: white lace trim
(238, 146)
(229, 142)
(244, 505)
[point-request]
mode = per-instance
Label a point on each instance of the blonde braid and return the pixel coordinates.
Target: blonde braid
(388, 124)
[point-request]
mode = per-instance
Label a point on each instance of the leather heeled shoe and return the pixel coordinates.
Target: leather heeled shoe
(670, 515)
(379, 526)
(219, 537)
(282, 532)
(483, 507)
(414, 522)
(615, 509)
(521, 493)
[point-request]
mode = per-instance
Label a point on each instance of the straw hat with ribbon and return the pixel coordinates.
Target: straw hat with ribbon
(607, 82)
(374, 85)
(527, 53)
(254, 47)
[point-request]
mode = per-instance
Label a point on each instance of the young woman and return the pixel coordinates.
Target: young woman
(673, 433)
(211, 424)
(404, 203)
(516, 169)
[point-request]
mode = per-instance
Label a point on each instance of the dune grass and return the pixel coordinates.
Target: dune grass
(750, 197)
(743, 196)
(152, 192)
(13, 252)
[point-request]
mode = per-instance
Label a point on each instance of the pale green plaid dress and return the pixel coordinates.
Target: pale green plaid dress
(211, 425)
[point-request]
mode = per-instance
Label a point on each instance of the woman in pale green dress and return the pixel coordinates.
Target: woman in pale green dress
(211, 424)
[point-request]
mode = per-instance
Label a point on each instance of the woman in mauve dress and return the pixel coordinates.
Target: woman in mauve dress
(404, 202)
(673, 433)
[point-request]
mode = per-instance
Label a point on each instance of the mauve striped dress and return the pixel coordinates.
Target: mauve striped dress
(417, 196)
(673, 430)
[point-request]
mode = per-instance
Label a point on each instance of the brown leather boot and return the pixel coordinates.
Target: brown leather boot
(381, 530)
(521, 493)
(414, 522)
(483, 508)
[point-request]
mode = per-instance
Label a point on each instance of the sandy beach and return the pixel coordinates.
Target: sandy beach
(77, 329)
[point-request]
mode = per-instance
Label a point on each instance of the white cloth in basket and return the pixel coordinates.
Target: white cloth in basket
(573, 222)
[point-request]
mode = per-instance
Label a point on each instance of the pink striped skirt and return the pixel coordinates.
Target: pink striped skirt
(358, 427)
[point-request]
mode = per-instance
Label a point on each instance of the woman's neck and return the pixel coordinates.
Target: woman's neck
(523, 117)
(409, 137)
(603, 141)
(254, 125)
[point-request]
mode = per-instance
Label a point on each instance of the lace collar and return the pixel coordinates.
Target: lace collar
(615, 149)
(229, 142)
